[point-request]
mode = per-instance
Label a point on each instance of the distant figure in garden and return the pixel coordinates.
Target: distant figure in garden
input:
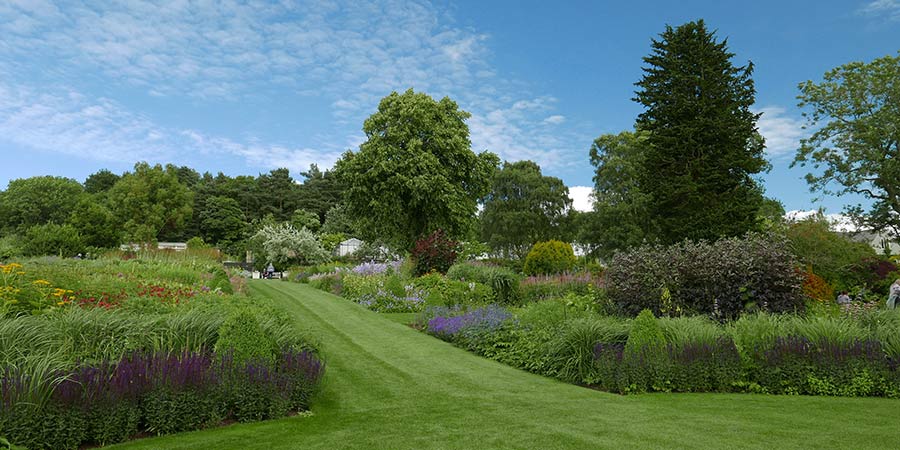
(843, 299)
(270, 271)
(894, 295)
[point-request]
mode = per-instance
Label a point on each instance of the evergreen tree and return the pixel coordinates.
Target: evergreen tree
(703, 145)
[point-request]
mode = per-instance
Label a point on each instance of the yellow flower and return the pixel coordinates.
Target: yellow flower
(41, 282)
(9, 268)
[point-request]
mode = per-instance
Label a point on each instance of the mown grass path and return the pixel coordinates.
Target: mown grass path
(388, 386)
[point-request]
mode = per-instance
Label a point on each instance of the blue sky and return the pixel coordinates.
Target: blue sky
(246, 87)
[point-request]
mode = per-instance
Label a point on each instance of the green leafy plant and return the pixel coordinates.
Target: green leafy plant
(244, 338)
(645, 359)
(551, 257)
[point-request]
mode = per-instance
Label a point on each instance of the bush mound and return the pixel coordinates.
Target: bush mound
(548, 258)
(504, 283)
(720, 280)
(434, 253)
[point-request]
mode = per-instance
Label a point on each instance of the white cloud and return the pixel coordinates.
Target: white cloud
(782, 132)
(231, 48)
(839, 222)
(347, 54)
(68, 122)
(885, 9)
(555, 119)
(582, 197)
(514, 131)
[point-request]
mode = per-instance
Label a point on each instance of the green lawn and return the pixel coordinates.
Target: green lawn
(388, 386)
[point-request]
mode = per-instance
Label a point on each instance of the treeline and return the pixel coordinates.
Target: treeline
(56, 215)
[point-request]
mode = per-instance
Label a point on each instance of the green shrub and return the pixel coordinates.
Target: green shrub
(829, 254)
(10, 247)
(645, 359)
(551, 257)
(504, 283)
(53, 239)
(244, 338)
(167, 411)
(196, 242)
(46, 427)
(221, 281)
(112, 423)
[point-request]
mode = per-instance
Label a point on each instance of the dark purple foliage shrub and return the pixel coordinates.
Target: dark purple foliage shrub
(434, 253)
(720, 279)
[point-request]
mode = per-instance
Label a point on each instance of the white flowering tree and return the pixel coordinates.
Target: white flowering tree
(283, 244)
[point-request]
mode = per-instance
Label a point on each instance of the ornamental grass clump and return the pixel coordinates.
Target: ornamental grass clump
(572, 351)
(543, 287)
(244, 339)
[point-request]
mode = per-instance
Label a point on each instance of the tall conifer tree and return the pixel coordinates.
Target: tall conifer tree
(703, 145)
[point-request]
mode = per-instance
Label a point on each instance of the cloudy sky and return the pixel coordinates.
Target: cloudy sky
(244, 87)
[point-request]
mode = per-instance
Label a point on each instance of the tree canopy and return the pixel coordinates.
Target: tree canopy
(855, 149)
(416, 172)
(524, 207)
(151, 203)
(621, 216)
(222, 221)
(703, 148)
(38, 200)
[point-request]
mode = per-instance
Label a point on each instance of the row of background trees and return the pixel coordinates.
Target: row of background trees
(688, 170)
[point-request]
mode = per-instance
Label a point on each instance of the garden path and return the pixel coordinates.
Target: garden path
(389, 386)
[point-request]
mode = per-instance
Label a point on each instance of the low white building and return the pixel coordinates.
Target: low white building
(177, 246)
(348, 247)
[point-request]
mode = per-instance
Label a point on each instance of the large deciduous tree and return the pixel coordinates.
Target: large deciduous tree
(151, 203)
(100, 181)
(523, 207)
(416, 172)
(38, 200)
(222, 221)
(703, 148)
(621, 217)
(855, 149)
(95, 223)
